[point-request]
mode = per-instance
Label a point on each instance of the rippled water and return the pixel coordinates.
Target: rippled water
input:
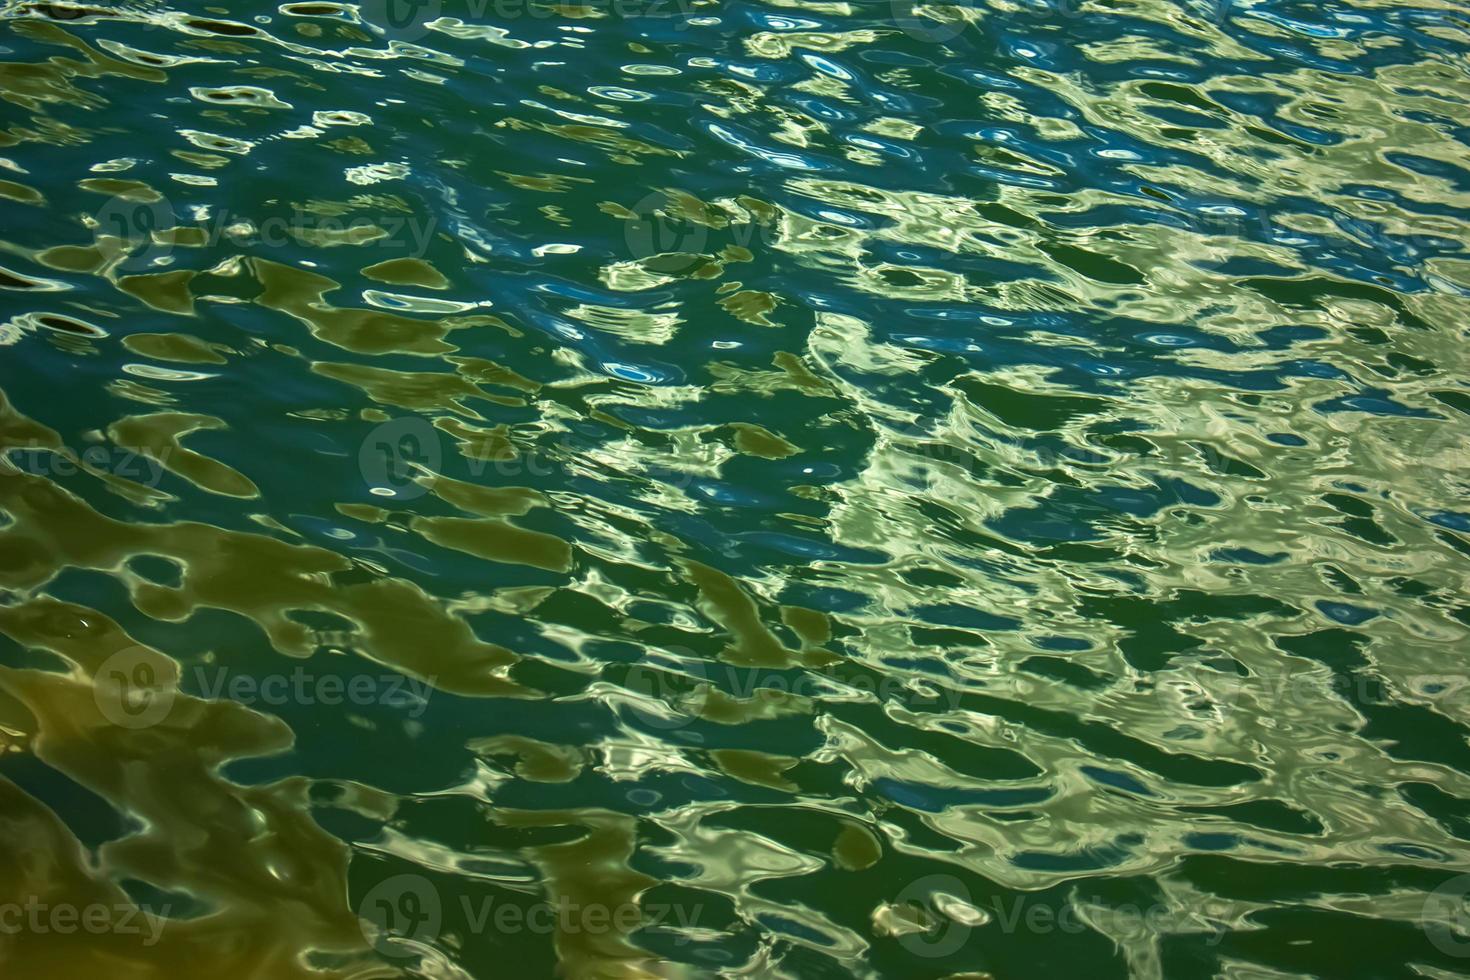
(658, 488)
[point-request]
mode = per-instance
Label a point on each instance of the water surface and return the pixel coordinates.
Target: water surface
(662, 488)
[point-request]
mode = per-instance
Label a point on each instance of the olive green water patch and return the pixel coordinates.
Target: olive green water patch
(483, 500)
(491, 445)
(756, 768)
(89, 725)
(591, 870)
(74, 258)
(420, 391)
(497, 540)
(180, 347)
(812, 626)
(302, 295)
(763, 704)
(182, 236)
(486, 372)
(856, 848)
(363, 512)
(12, 191)
(127, 190)
(407, 272)
(158, 437)
(538, 761)
(256, 576)
(166, 291)
(751, 306)
(722, 599)
(759, 441)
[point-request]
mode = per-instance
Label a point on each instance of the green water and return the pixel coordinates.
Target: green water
(805, 488)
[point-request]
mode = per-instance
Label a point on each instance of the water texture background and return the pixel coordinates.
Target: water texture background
(667, 488)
